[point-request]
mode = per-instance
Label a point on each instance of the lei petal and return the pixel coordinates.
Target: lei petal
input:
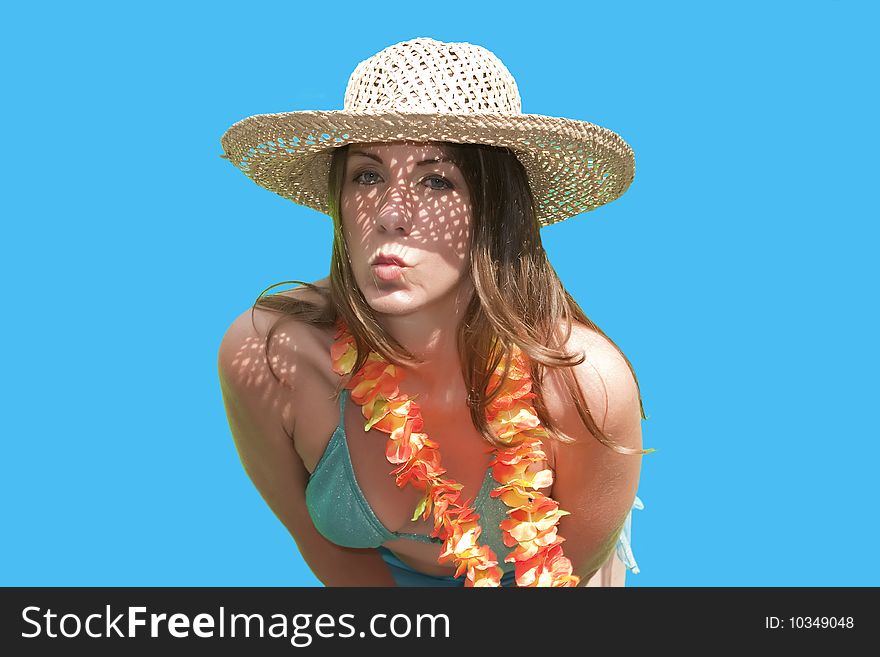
(527, 450)
(512, 496)
(547, 568)
(519, 476)
(484, 576)
(343, 354)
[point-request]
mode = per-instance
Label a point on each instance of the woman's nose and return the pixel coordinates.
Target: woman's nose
(395, 211)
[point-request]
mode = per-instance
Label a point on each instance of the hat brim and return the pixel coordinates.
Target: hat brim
(572, 166)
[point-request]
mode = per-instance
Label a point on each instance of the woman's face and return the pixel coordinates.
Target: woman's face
(407, 201)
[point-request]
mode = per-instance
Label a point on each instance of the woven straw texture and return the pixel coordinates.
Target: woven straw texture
(426, 90)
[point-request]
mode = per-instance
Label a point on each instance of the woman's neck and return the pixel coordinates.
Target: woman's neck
(431, 334)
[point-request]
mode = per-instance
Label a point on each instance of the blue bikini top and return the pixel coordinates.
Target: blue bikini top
(341, 513)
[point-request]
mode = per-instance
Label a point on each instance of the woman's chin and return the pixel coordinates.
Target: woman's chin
(395, 303)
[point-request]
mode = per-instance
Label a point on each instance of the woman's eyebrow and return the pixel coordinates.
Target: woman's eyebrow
(369, 155)
(439, 158)
(372, 156)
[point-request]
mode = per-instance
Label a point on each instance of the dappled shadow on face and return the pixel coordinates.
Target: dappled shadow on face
(407, 197)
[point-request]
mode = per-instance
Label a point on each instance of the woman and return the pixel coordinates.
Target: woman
(442, 347)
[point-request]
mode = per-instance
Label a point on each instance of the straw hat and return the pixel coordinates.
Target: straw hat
(428, 90)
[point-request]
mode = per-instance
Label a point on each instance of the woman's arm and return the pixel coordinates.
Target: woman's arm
(258, 408)
(595, 484)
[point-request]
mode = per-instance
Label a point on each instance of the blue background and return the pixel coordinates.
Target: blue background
(735, 273)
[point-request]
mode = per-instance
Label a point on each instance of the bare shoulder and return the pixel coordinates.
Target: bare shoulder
(256, 366)
(606, 381)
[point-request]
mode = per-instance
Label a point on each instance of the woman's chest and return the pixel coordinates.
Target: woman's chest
(464, 456)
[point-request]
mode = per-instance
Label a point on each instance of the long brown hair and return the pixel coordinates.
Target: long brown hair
(518, 298)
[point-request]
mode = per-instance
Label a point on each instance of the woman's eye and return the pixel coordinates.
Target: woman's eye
(358, 177)
(445, 183)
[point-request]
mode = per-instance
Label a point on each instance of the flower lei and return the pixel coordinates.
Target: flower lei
(533, 516)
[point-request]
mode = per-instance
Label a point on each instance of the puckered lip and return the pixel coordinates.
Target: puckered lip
(389, 259)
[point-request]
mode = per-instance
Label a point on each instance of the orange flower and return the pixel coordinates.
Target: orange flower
(512, 496)
(482, 568)
(532, 520)
(527, 450)
(516, 385)
(445, 499)
(519, 475)
(546, 568)
(529, 549)
(508, 422)
(511, 390)
(462, 546)
(441, 490)
(484, 575)
(532, 528)
(373, 379)
(343, 355)
(403, 443)
(394, 413)
(423, 466)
